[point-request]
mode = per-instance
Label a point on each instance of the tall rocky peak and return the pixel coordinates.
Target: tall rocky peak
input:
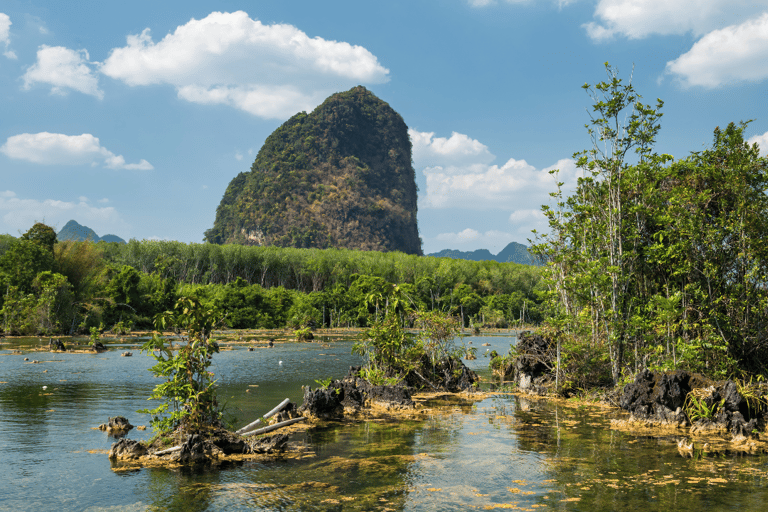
(340, 176)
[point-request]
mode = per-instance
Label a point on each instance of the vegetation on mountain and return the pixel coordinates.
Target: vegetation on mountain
(657, 262)
(340, 177)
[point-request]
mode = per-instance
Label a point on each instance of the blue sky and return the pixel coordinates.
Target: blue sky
(132, 117)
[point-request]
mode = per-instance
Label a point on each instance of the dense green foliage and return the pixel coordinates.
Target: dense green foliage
(392, 354)
(338, 177)
(660, 262)
(119, 286)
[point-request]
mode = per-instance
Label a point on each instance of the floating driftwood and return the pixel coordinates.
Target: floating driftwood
(271, 413)
(169, 450)
(274, 427)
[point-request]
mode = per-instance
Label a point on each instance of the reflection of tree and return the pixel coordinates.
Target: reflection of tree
(187, 489)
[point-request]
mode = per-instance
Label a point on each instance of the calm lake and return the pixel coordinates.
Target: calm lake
(500, 452)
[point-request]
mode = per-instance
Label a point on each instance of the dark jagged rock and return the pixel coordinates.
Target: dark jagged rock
(127, 449)
(657, 397)
(57, 345)
(661, 398)
(531, 370)
(98, 347)
(117, 425)
(446, 375)
(340, 177)
(351, 395)
(270, 444)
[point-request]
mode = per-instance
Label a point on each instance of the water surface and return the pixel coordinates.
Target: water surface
(500, 452)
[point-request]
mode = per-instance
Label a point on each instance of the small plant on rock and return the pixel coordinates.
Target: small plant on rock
(189, 390)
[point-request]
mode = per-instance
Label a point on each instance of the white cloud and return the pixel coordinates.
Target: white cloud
(459, 174)
(512, 186)
(636, 19)
(453, 152)
(238, 156)
(59, 149)
(19, 214)
(270, 71)
(5, 34)
(732, 54)
(63, 69)
(762, 142)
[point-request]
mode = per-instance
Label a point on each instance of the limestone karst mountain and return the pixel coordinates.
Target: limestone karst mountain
(340, 176)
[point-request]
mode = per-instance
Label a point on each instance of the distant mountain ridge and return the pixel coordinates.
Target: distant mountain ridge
(74, 231)
(514, 253)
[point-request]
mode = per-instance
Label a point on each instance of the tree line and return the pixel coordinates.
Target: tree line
(67, 287)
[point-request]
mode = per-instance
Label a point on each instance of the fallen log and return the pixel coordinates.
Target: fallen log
(274, 427)
(271, 413)
(169, 450)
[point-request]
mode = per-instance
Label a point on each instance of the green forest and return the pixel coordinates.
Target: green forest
(68, 287)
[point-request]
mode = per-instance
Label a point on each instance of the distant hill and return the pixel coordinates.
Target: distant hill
(514, 252)
(74, 231)
(340, 176)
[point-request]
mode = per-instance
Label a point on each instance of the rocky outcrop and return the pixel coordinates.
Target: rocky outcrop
(447, 374)
(681, 400)
(119, 425)
(56, 345)
(531, 370)
(351, 395)
(127, 449)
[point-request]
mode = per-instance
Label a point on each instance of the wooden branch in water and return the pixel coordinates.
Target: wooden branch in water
(169, 450)
(271, 413)
(274, 427)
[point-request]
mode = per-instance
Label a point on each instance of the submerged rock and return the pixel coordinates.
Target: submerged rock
(270, 444)
(117, 425)
(127, 449)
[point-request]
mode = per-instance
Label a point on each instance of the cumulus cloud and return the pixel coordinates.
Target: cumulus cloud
(514, 185)
(733, 54)
(459, 174)
(271, 71)
(59, 149)
(762, 142)
(636, 19)
(19, 214)
(63, 69)
(5, 34)
(454, 152)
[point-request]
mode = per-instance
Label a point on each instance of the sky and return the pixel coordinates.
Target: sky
(132, 117)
